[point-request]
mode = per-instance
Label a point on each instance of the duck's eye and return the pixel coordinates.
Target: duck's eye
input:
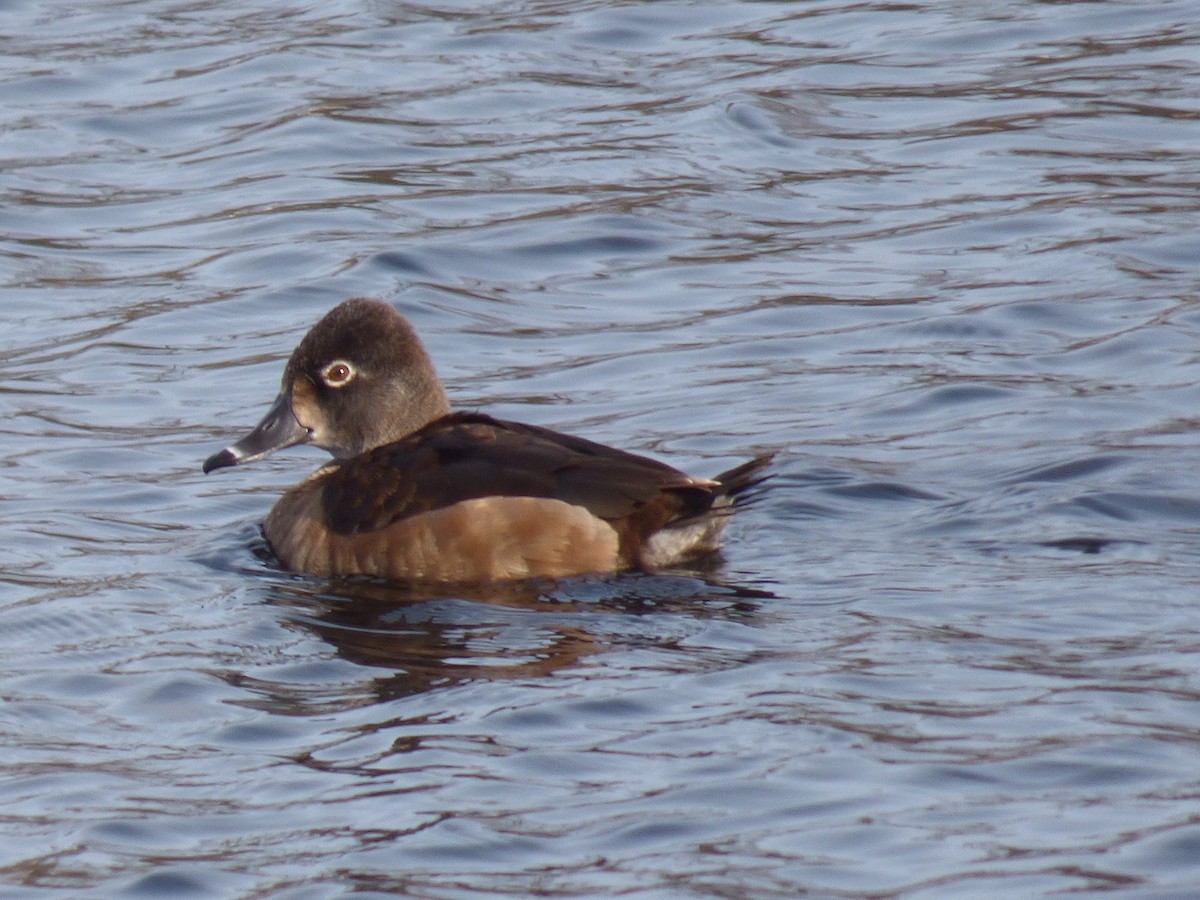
(337, 374)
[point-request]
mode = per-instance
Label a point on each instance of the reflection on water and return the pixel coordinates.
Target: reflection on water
(427, 637)
(941, 256)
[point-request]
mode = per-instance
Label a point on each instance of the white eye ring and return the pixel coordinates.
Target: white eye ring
(338, 373)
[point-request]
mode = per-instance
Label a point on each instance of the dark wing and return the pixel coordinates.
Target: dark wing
(467, 456)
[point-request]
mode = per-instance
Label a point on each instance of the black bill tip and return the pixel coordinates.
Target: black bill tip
(220, 460)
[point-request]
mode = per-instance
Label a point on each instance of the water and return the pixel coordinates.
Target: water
(941, 256)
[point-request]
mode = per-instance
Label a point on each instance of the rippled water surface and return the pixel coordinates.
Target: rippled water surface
(942, 257)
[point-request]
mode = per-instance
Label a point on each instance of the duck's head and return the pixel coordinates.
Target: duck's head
(359, 379)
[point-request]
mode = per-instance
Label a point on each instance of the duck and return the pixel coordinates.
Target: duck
(417, 492)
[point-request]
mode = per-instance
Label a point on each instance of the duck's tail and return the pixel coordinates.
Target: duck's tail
(698, 530)
(739, 482)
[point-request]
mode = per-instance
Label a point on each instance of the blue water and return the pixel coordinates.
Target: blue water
(941, 257)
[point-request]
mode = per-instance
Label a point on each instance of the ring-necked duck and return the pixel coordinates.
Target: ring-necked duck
(417, 492)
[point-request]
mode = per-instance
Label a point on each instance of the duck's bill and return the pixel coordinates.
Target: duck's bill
(278, 429)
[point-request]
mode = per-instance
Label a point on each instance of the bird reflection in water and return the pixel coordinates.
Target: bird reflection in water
(434, 636)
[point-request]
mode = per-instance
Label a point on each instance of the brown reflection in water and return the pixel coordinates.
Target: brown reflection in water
(433, 636)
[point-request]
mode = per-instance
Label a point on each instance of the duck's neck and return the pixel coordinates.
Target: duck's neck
(411, 408)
